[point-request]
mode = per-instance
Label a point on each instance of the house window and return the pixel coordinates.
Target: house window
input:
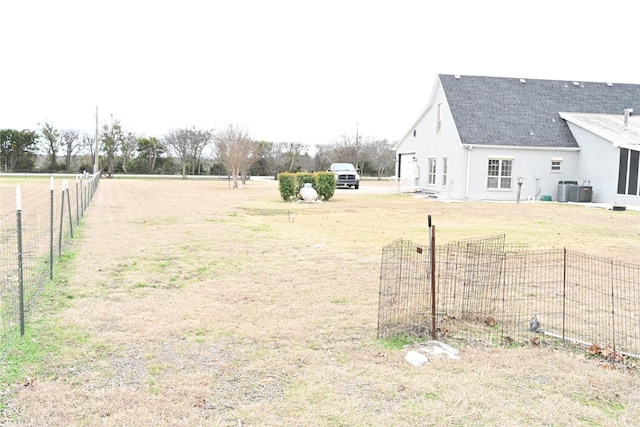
(438, 119)
(444, 171)
(556, 164)
(499, 173)
(432, 170)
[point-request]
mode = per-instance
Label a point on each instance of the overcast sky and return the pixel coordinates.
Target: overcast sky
(293, 71)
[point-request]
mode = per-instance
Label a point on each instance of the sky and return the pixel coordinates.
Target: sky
(302, 71)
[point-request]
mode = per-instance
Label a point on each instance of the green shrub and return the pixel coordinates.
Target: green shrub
(325, 184)
(303, 178)
(287, 184)
(291, 183)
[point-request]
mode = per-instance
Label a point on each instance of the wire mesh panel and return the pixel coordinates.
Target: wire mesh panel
(502, 293)
(469, 277)
(533, 294)
(603, 302)
(405, 297)
(625, 285)
(469, 286)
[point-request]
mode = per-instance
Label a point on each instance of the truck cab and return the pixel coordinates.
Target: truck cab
(346, 175)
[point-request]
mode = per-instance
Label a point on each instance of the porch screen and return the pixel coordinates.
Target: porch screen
(628, 172)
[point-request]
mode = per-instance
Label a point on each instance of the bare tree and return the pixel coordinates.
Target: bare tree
(128, 146)
(324, 156)
(198, 140)
(380, 155)
(292, 152)
(176, 141)
(70, 142)
(112, 139)
(237, 151)
(349, 149)
(188, 145)
(51, 143)
(87, 145)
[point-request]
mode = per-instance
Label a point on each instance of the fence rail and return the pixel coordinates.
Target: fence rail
(487, 290)
(31, 239)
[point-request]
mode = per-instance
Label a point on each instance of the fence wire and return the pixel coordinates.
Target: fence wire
(490, 291)
(405, 299)
(44, 232)
(9, 314)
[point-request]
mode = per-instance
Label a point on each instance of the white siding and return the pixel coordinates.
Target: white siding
(599, 161)
(428, 142)
(533, 165)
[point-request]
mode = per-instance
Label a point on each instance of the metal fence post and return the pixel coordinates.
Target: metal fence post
(66, 186)
(85, 193)
(613, 309)
(61, 222)
(564, 292)
(51, 229)
(77, 202)
(20, 266)
(432, 244)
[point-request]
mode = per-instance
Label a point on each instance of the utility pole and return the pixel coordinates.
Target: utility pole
(95, 161)
(357, 146)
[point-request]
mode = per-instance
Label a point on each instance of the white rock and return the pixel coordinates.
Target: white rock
(415, 358)
(437, 348)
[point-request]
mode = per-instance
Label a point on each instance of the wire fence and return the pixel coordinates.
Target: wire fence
(503, 294)
(31, 239)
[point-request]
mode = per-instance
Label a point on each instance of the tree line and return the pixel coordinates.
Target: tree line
(188, 151)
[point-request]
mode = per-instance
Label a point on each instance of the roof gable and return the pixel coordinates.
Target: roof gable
(610, 127)
(525, 112)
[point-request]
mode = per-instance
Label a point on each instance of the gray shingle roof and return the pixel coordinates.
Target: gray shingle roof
(524, 112)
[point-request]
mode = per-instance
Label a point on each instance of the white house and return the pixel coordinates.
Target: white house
(492, 138)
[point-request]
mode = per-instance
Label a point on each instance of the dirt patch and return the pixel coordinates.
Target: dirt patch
(205, 305)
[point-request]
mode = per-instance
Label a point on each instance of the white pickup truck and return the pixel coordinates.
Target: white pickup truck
(346, 175)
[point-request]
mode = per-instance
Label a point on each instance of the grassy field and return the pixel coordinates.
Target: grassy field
(188, 303)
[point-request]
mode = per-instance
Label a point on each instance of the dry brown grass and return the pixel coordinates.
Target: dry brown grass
(204, 305)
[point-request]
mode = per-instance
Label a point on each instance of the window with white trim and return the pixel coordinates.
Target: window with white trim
(444, 171)
(438, 119)
(432, 171)
(499, 173)
(556, 164)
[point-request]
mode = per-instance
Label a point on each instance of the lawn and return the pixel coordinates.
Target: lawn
(187, 303)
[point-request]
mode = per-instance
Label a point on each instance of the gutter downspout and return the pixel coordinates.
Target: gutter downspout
(467, 172)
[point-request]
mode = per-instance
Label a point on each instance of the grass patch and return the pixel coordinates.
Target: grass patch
(430, 395)
(266, 212)
(606, 406)
(125, 267)
(143, 285)
(45, 336)
(397, 342)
